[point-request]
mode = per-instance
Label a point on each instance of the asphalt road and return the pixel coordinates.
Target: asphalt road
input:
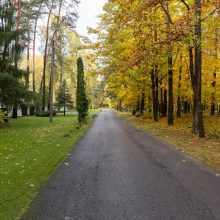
(117, 172)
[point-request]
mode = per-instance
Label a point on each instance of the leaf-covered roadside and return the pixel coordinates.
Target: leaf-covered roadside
(206, 150)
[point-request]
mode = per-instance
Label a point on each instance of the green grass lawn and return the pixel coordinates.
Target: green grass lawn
(30, 150)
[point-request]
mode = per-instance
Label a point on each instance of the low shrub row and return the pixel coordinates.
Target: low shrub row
(44, 113)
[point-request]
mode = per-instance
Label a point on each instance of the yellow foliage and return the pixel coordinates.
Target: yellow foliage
(2, 116)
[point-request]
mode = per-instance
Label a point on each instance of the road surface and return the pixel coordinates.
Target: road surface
(117, 172)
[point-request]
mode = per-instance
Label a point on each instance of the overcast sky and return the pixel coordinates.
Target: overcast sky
(88, 12)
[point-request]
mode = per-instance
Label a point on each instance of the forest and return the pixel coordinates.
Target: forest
(162, 57)
(39, 47)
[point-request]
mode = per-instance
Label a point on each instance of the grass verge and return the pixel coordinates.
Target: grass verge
(95, 110)
(207, 150)
(30, 150)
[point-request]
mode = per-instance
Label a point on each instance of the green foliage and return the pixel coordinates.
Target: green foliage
(6, 82)
(44, 113)
(82, 103)
(11, 38)
(12, 45)
(2, 114)
(64, 98)
(11, 90)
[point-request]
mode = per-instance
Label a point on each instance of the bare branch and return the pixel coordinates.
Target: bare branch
(216, 10)
(187, 6)
(166, 12)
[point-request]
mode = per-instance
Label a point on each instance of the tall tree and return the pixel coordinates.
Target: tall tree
(37, 15)
(51, 7)
(11, 47)
(52, 81)
(213, 94)
(170, 67)
(82, 104)
(198, 127)
(64, 99)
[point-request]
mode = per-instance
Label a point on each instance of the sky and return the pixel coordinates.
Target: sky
(88, 12)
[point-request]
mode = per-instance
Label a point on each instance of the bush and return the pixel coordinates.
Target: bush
(44, 113)
(3, 116)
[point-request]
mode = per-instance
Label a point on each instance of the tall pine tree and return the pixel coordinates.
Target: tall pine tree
(64, 98)
(81, 99)
(12, 90)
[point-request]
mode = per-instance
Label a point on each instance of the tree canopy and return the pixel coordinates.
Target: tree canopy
(161, 54)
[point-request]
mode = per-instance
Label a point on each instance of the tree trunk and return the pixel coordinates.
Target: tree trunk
(213, 94)
(48, 100)
(28, 58)
(142, 102)
(64, 90)
(52, 81)
(170, 91)
(34, 47)
(157, 90)
(165, 104)
(17, 5)
(51, 89)
(179, 89)
(161, 100)
(178, 112)
(120, 105)
(61, 73)
(154, 95)
(198, 127)
(45, 59)
(15, 112)
(170, 69)
(54, 37)
(214, 74)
